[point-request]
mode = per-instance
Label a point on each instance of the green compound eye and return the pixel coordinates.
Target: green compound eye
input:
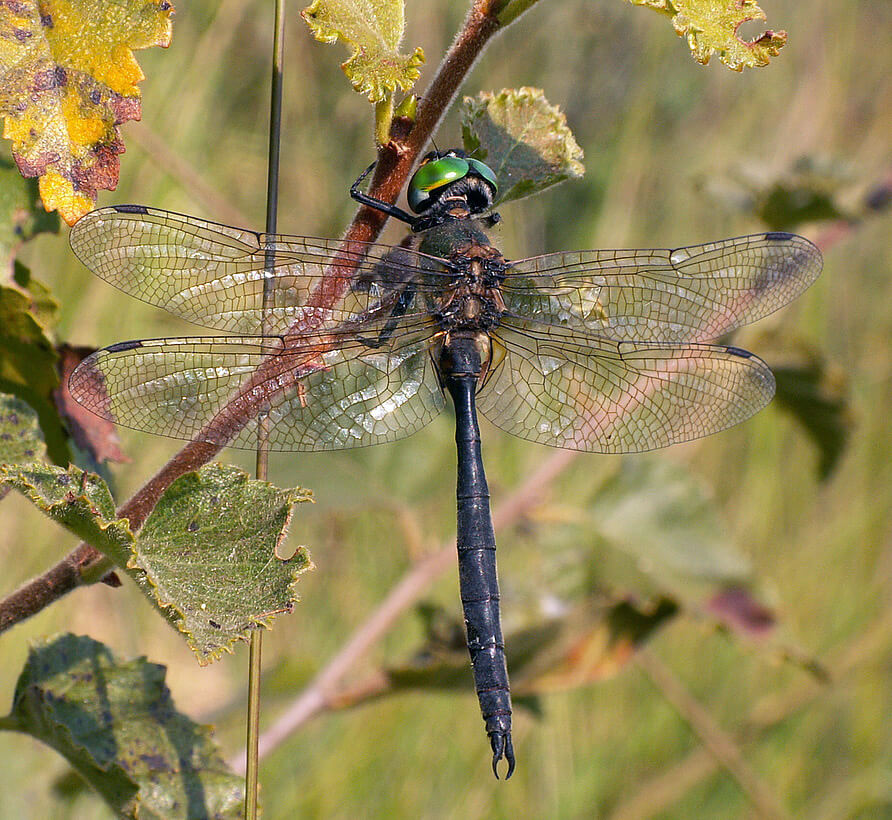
(484, 171)
(433, 175)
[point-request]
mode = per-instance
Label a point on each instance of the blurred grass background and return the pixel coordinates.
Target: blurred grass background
(652, 123)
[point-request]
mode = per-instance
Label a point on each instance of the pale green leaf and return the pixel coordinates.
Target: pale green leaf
(44, 306)
(208, 556)
(658, 513)
(710, 27)
(523, 138)
(116, 724)
(372, 30)
(20, 437)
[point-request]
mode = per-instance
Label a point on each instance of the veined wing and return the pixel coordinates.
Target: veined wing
(587, 392)
(213, 275)
(695, 293)
(316, 392)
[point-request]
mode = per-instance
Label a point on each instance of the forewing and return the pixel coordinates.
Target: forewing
(214, 275)
(690, 294)
(316, 394)
(586, 392)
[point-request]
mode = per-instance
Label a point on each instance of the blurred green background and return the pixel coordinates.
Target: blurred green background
(664, 139)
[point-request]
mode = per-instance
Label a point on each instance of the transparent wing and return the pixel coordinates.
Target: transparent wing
(213, 275)
(688, 294)
(586, 392)
(318, 393)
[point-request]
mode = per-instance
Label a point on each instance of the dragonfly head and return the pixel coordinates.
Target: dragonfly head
(450, 184)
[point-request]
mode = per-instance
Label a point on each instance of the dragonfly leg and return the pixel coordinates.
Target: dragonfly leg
(378, 204)
(402, 305)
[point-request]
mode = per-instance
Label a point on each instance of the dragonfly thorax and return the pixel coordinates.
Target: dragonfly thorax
(473, 302)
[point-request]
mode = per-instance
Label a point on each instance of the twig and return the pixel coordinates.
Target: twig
(252, 735)
(658, 794)
(320, 692)
(173, 164)
(719, 743)
(396, 159)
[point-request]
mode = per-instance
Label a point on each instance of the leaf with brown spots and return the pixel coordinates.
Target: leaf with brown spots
(67, 81)
(116, 723)
(20, 438)
(209, 558)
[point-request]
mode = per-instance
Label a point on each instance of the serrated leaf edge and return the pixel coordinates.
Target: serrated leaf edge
(31, 491)
(176, 617)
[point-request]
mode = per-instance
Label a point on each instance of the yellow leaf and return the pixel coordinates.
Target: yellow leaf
(710, 27)
(67, 81)
(373, 29)
(57, 193)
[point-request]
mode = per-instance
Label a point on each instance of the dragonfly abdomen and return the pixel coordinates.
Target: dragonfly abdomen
(460, 366)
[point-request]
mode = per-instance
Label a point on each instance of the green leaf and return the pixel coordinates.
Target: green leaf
(373, 31)
(68, 786)
(820, 404)
(523, 138)
(811, 190)
(207, 556)
(710, 27)
(20, 437)
(80, 502)
(512, 9)
(813, 389)
(655, 511)
(28, 360)
(117, 725)
(784, 207)
(815, 392)
(44, 306)
(21, 212)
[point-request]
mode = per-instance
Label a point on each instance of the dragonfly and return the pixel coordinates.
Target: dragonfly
(335, 344)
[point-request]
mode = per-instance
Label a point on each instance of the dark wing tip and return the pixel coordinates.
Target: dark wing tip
(119, 346)
(130, 209)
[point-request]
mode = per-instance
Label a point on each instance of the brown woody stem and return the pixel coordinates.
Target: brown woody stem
(395, 161)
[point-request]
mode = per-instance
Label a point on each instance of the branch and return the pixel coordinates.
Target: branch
(719, 743)
(395, 161)
(657, 795)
